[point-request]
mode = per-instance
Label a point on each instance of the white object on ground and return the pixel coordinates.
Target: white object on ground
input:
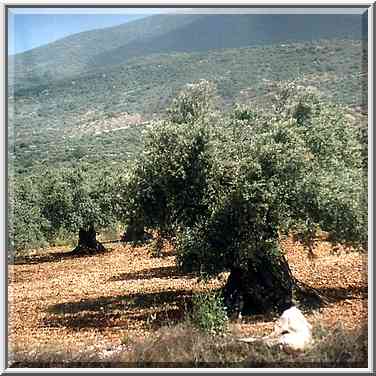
(292, 332)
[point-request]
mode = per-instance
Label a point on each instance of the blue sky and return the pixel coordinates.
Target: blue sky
(29, 30)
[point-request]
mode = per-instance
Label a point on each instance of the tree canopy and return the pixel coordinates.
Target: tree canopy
(227, 186)
(223, 186)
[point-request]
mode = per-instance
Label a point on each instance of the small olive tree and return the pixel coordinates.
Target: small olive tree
(27, 226)
(77, 200)
(126, 202)
(166, 188)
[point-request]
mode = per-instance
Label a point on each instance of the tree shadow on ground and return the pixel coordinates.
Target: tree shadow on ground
(167, 316)
(323, 296)
(85, 320)
(104, 320)
(161, 272)
(336, 294)
(151, 309)
(122, 302)
(53, 257)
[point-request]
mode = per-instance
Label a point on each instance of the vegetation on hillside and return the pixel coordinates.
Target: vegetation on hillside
(75, 55)
(100, 115)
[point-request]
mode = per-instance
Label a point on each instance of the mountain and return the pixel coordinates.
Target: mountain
(89, 51)
(87, 97)
(70, 56)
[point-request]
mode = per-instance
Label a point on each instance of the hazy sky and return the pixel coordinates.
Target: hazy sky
(27, 31)
(32, 27)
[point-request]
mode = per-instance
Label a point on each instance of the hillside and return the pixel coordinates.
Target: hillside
(87, 97)
(68, 120)
(70, 56)
(88, 51)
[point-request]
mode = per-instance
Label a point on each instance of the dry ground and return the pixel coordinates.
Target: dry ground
(103, 301)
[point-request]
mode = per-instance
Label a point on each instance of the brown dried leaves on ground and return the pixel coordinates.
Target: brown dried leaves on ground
(104, 301)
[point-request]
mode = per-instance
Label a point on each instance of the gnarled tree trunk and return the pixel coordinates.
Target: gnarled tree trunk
(259, 287)
(87, 241)
(135, 232)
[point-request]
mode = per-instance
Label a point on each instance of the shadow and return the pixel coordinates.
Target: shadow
(161, 272)
(116, 241)
(54, 257)
(336, 294)
(123, 302)
(40, 259)
(156, 320)
(323, 296)
(99, 320)
(153, 310)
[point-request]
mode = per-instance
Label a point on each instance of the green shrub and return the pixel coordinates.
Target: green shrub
(209, 313)
(244, 113)
(194, 101)
(169, 183)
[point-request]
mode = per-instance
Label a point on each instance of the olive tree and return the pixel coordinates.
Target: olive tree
(27, 226)
(228, 186)
(167, 188)
(77, 200)
(126, 203)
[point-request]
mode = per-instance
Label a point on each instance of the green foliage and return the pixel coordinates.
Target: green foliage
(194, 253)
(192, 103)
(296, 166)
(170, 180)
(26, 223)
(209, 313)
(225, 185)
(332, 191)
(70, 58)
(53, 206)
(76, 198)
(57, 123)
(244, 113)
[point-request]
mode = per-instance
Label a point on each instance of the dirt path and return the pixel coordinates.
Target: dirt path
(102, 301)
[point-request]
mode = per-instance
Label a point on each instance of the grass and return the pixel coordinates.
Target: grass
(183, 345)
(188, 347)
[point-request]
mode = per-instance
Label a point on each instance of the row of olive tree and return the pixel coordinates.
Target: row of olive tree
(72, 200)
(223, 187)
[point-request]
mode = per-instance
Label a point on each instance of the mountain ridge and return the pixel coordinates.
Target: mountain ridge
(92, 50)
(85, 104)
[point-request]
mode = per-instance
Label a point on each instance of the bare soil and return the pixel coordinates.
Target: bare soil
(104, 301)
